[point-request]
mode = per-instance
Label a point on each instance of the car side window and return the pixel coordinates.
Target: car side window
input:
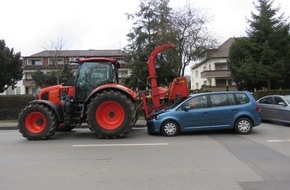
(196, 102)
(267, 100)
(242, 98)
(279, 100)
(219, 100)
(231, 99)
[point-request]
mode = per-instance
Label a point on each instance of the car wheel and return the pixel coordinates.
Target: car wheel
(170, 128)
(243, 126)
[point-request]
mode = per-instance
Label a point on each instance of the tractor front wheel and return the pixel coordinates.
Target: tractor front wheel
(37, 122)
(111, 114)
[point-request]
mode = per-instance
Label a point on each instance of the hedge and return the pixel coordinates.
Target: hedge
(11, 105)
(259, 94)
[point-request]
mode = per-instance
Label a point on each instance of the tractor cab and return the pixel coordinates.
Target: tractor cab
(94, 72)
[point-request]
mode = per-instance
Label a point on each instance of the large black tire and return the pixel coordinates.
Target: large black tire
(111, 114)
(37, 122)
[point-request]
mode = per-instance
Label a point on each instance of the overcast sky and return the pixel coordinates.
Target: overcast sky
(26, 25)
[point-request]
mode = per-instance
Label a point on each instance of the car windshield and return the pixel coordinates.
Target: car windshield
(287, 98)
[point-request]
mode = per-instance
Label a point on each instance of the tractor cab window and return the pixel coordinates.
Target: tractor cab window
(92, 75)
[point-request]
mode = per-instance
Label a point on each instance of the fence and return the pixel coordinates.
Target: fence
(12, 105)
(9, 113)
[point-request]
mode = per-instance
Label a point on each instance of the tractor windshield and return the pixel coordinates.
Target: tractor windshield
(92, 75)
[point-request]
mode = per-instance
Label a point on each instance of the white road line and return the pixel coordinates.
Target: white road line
(276, 141)
(118, 145)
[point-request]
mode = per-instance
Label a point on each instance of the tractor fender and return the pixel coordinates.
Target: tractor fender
(130, 93)
(52, 105)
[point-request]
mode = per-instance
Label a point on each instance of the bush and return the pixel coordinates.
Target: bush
(11, 105)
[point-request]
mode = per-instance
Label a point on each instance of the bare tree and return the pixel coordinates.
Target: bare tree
(54, 49)
(192, 35)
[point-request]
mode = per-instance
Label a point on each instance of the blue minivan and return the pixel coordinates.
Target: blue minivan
(236, 110)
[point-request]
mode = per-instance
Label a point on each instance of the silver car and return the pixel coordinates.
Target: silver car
(275, 108)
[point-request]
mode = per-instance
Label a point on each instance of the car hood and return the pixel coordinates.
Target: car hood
(160, 112)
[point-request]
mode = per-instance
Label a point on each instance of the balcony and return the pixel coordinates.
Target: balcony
(28, 82)
(216, 74)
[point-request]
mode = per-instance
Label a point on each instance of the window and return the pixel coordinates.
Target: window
(28, 76)
(279, 100)
(231, 99)
(35, 61)
(221, 82)
(196, 74)
(219, 100)
(91, 75)
(228, 99)
(267, 100)
(221, 66)
(197, 102)
(242, 98)
(52, 61)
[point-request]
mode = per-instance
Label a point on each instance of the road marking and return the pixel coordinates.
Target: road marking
(118, 145)
(276, 141)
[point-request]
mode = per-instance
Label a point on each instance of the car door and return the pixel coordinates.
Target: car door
(194, 114)
(281, 110)
(222, 112)
(266, 107)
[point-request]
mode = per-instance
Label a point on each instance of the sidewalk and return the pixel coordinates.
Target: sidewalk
(13, 125)
(7, 125)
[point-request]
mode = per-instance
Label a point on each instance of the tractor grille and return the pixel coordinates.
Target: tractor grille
(64, 91)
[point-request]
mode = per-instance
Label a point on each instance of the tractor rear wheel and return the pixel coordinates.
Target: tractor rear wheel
(111, 114)
(37, 122)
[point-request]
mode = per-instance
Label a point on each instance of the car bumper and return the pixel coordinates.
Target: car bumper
(257, 121)
(153, 126)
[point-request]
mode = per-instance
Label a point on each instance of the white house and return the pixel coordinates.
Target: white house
(212, 72)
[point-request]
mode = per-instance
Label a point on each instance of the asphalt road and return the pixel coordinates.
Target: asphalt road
(207, 160)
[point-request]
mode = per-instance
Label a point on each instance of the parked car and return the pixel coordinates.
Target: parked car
(207, 111)
(275, 108)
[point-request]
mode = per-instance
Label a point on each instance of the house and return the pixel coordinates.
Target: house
(212, 72)
(45, 62)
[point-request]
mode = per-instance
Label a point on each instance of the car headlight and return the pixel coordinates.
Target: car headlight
(154, 117)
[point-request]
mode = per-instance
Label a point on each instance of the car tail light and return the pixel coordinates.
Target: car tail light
(257, 108)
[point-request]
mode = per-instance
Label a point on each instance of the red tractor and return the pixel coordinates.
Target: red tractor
(95, 98)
